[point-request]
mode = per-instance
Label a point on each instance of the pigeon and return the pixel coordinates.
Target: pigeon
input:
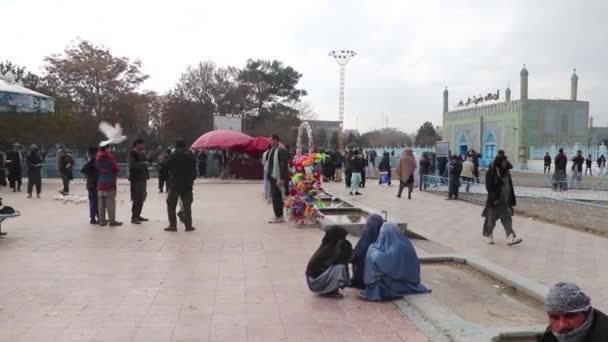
(112, 133)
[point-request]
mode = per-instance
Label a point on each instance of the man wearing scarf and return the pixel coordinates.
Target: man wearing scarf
(277, 176)
(571, 316)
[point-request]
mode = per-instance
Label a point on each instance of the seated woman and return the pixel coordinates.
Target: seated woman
(327, 270)
(392, 268)
(368, 237)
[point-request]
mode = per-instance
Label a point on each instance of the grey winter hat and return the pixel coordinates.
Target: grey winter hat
(567, 297)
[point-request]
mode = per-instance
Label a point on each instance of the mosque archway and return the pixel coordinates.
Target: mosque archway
(489, 146)
(463, 145)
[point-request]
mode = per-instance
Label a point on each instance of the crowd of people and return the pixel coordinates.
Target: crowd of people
(560, 174)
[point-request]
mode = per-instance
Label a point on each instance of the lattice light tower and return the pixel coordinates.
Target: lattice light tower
(342, 57)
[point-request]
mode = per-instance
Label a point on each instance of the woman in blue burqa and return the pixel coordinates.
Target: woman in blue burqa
(392, 268)
(327, 270)
(368, 237)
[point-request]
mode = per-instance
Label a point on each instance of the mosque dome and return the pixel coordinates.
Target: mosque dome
(524, 71)
(574, 76)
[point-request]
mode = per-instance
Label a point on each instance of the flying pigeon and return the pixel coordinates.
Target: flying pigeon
(112, 133)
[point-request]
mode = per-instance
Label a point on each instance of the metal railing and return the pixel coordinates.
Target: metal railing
(581, 209)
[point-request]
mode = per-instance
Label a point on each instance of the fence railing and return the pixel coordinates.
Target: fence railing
(49, 170)
(538, 152)
(581, 209)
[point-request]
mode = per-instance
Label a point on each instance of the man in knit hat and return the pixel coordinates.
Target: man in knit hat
(571, 316)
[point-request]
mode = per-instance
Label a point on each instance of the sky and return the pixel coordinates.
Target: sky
(407, 51)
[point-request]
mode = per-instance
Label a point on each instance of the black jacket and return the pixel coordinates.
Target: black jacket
(30, 161)
(561, 161)
(15, 165)
(578, 163)
(138, 168)
(90, 171)
(283, 160)
(357, 164)
(182, 170)
(597, 333)
(547, 160)
(335, 249)
(425, 166)
(494, 187)
(456, 169)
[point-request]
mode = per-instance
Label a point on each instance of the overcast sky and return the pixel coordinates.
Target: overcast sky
(407, 50)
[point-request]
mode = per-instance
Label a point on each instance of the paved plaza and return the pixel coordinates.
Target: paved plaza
(236, 278)
(548, 254)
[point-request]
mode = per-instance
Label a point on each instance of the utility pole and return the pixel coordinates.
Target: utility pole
(342, 57)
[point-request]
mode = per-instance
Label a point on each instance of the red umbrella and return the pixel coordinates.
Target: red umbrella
(221, 139)
(258, 144)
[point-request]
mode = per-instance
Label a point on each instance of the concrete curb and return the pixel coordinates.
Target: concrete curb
(449, 324)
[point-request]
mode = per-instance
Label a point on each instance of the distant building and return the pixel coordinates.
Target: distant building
(227, 122)
(329, 126)
(515, 126)
(353, 131)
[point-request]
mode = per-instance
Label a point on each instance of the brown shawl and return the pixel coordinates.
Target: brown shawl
(406, 166)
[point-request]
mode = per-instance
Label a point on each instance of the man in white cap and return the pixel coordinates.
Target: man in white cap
(571, 316)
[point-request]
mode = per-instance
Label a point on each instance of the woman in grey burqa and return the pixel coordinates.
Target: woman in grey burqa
(327, 270)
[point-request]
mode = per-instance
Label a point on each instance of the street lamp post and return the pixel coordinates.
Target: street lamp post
(342, 57)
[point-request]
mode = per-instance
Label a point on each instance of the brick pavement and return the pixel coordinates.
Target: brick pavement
(235, 278)
(548, 254)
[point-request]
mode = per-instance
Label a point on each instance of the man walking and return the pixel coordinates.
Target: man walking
(547, 168)
(405, 172)
(277, 176)
(90, 171)
(500, 201)
(163, 175)
(138, 176)
(475, 159)
(66, 164)
(348, 170)
(357, 166)
(338, 159)
(454, 180)
(601, 164)
(107, 170)
(202, 164)
(13, 162)
(560, 176)
(34, 168)
(577, 169)
(468, 171)
(182, 173)
(425, 170)
(589, 165)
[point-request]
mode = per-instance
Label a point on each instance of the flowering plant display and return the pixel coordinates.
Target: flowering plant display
(305, 183)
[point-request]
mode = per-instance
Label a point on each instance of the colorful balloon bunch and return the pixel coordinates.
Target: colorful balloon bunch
(305, 189)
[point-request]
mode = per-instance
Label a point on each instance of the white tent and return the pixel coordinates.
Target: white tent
(15, 98)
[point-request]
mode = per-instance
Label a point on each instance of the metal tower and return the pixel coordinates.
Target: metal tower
(342, 57)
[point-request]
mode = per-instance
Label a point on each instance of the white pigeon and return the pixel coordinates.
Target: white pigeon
(112, 133)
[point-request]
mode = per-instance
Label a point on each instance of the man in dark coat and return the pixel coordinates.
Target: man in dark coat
(34, 168)
(182, 173)
(560, 176)
(547, 160)
(278, 174)
(500, 201)
(571, 316)
(66, 163)
(425, 170)
(90, 171)
(13, 165)
(455, 171)
(138, 176)
(202, 164)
